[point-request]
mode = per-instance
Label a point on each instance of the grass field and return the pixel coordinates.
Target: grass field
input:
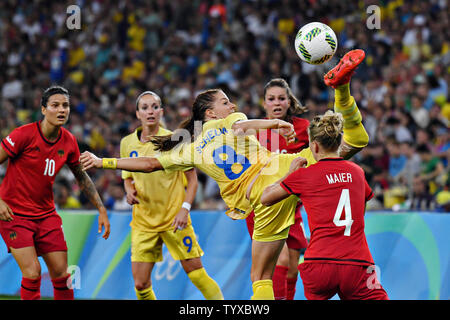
(9, 297)
(2, 297)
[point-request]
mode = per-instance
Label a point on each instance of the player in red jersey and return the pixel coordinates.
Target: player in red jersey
(334, 192)
(29, 224)
(280, 103)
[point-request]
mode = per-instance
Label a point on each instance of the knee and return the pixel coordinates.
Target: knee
(140, 284)
(190, 265)
(58, 272)
(32, 271)
(283, 259)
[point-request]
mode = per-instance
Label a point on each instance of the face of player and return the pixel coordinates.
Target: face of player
(57, 111)
(149, 110)
(221, 107)
(276, 102)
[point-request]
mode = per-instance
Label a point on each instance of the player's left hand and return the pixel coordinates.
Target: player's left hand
(181, 220)
(90, 160)
(103, 221)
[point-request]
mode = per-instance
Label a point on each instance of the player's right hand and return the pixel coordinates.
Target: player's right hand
(89, 160)
(132, 197)
(286, 129)
(6, 213)
(297, 163)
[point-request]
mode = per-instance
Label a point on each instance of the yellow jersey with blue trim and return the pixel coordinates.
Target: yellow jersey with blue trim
(160, 193)
(231, 160)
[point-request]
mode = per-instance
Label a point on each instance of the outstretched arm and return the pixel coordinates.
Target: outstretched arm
(139, 164)
(248, 127)
(88, 188)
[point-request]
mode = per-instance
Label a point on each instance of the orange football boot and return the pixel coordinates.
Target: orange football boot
(344, 70)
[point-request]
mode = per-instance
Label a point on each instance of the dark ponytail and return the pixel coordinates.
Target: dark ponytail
(190, 128)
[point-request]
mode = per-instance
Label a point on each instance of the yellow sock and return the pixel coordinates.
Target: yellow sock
(207, 286)
(355, 134)
(342, 97)
(145, 294)
(263, 290)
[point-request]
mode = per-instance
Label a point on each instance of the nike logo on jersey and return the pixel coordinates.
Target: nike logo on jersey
(10, 141)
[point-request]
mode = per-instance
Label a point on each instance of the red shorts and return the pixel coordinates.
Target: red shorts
(322, 281)
(45, 234)
(296, 238)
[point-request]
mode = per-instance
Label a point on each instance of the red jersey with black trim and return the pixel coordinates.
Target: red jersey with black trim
(33, 165)
(276, 143)
(334, 192)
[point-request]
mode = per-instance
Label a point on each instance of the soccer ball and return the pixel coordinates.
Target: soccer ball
(315, 43)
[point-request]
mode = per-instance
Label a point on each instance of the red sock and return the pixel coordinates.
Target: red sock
(279, 282)
(291, 283)
(60, 289)
(30, 289)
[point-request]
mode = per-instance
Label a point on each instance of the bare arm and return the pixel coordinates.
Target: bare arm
(3, 155)
(88, 188)
(248, 127)
(139, 164)
(130, 190)
(181, 218)
(275, 193)
(192, 185)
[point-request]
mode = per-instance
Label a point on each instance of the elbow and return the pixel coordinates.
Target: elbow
(265, 199)
(151, 164)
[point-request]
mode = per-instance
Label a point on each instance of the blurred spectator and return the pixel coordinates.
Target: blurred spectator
(397, 160)
(411, 168)
(116, 199)
(64, 199)
(421, 199)
(431, 166)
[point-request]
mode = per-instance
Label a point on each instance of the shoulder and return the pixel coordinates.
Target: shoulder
(353, 166)
(67, 135)
(163, 132)
(30, 127)
(129, 139)
(234, 117)
(23, 133)
(300, 123)
(295, 180)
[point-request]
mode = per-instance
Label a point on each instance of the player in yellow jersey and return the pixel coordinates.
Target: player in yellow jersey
(221, 143)
(163, 216)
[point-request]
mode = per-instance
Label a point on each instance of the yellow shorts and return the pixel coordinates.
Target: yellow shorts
(147, 246)
(273, 222)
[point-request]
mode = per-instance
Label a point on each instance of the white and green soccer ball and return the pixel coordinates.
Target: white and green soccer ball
(315, 43)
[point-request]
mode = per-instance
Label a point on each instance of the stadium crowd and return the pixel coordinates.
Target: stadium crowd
(178, 48)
